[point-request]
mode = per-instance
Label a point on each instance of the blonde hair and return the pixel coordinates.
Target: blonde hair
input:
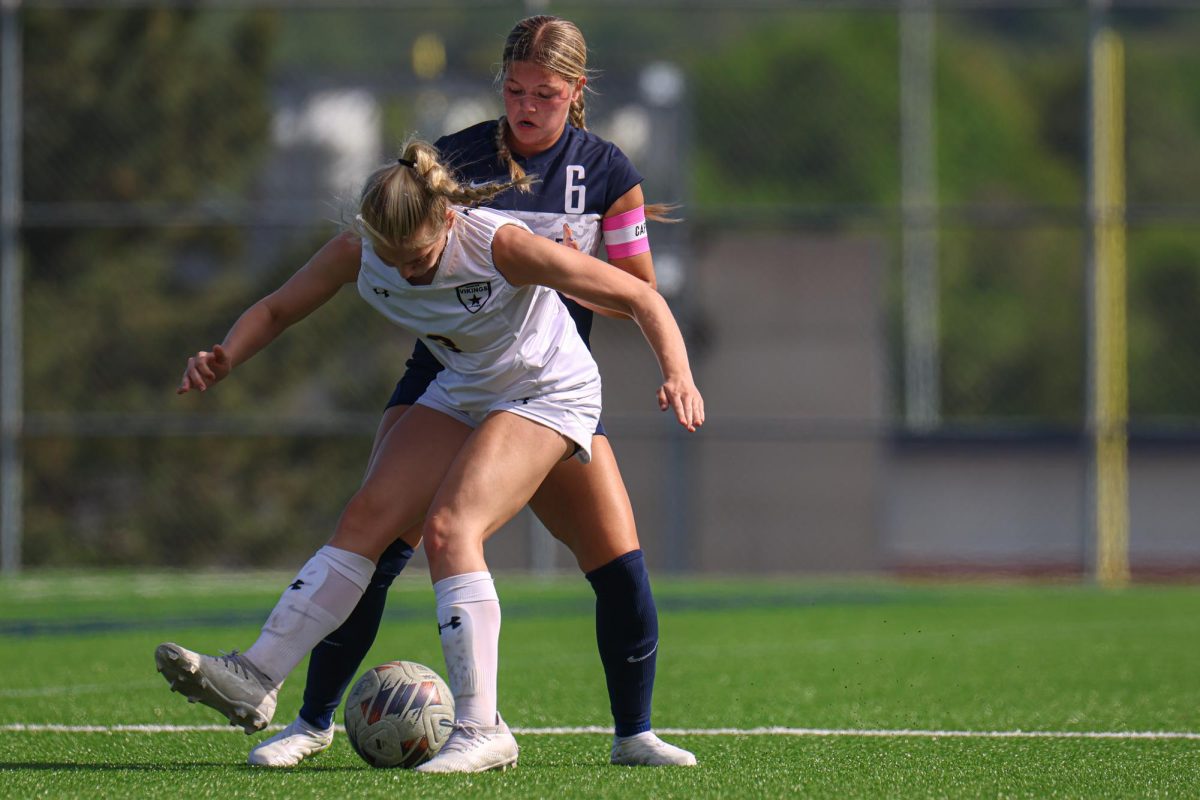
(410, 197)
(555, 44)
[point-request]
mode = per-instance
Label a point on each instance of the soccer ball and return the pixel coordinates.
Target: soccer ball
(398, 714)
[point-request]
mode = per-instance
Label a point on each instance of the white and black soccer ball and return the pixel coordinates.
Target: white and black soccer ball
(398, 714)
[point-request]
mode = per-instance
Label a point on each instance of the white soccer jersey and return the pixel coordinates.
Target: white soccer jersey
(497, 341)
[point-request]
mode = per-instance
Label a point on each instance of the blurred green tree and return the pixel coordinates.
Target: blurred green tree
(804, 119)
(132, 118)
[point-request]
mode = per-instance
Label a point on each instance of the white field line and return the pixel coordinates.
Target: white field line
(55, 691)
(597, 729)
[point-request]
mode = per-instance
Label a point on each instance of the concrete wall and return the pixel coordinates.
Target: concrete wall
(998, 503)
(799, 469)
(985, 503)
(787, 346)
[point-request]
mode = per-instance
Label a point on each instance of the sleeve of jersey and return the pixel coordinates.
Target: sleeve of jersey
(622, 176)
(499, 220)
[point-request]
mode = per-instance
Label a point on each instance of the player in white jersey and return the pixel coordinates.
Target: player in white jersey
(504, 347)
(466, 460)
(588, 194)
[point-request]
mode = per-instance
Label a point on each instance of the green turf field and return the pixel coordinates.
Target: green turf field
(781, 688)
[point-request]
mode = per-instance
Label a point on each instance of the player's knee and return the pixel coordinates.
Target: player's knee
(363, 520)
(437, 536)
(446, 535)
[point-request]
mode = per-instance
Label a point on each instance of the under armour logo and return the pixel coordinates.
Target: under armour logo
(383, 292)
(454, 623)
(296, 585)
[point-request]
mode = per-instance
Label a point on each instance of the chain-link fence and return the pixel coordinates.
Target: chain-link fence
(868, 187)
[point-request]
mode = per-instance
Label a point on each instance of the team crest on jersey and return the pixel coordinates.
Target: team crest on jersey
(474, 296)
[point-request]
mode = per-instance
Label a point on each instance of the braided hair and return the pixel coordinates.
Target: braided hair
(410, 197)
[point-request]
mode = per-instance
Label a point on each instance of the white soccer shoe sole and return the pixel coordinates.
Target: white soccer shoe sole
(290, 746)
(647, 750)
(204, 679)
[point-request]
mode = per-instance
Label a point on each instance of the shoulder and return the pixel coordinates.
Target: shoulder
(605, 165)
(489, 219)
(338, 260)
(344, 248)
(511, 231)
(515, 249)
(468, 143)
(593, 147)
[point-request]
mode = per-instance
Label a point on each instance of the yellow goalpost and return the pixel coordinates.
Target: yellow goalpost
(1110, 412)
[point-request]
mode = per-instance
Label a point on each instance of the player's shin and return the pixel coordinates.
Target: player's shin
(323, 594)
(336, 658)
(468, 612)
(627, 636)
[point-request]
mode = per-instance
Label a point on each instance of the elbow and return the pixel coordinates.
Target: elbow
(645, 303)
(272, 315)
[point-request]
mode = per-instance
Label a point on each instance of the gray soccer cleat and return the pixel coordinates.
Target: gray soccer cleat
(228, 683)
(475, 748)
(647, 750)
(291, 745)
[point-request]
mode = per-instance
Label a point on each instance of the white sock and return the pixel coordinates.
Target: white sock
(468, 611)
(324, 593)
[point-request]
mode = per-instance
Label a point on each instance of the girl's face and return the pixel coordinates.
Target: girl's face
(417, 264)
(536, 102)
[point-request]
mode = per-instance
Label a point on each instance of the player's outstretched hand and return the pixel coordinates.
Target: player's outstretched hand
(204, 369)
(682, 395)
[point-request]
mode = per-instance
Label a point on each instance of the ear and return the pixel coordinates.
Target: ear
(577, 92)
(450, 217)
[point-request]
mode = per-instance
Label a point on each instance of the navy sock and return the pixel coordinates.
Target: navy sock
(627, 635)
(336, 659)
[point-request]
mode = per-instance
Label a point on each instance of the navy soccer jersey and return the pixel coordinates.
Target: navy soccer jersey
(578, 180)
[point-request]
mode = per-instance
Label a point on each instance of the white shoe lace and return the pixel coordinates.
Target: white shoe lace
(464, 736)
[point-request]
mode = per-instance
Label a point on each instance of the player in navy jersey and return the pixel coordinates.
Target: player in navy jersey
(588, 194)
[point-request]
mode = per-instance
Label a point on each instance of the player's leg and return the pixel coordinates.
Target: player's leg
(588, 509)
(334, 663)
(420, 447)
(510, 455)
(336, 658)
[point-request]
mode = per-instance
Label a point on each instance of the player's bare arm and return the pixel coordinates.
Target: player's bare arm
(525, 259)
(330, 268)
(640, 266)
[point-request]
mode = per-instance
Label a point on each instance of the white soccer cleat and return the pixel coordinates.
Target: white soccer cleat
(474, 748)
(291, 745)
(647, 750)
(228, 683)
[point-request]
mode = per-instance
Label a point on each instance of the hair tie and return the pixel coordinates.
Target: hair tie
(405, 162)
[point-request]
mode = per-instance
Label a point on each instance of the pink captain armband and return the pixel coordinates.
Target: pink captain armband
(625, 233)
